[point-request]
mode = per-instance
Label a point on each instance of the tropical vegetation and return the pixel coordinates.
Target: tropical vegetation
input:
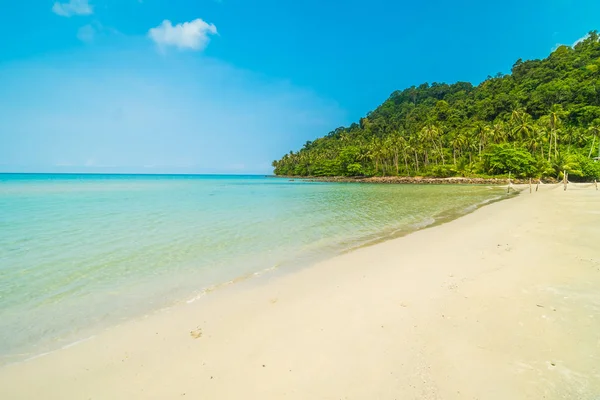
(538, 121)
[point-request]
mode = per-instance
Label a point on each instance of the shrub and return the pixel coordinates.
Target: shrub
(504, 159)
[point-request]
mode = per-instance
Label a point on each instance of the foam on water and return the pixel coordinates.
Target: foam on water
(80, 253)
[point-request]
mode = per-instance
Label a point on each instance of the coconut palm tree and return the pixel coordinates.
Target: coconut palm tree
(536, 141)
(498, 132)
(594, 130)
(432, 133)
(522, 126)
(458, 142)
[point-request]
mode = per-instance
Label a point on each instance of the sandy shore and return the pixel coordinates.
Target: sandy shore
(503, 303)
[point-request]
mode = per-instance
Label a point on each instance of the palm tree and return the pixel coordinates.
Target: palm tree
(482, 132)
(375, 151)
(472, 145)
(406, 149)
(432, 133)
(393, 148)
(569, 136)
(536, 141)
(565, 162)
(458, 142)
(521, 122)
(595, 132)
(414, 142)
(554, 121)
(498, 133)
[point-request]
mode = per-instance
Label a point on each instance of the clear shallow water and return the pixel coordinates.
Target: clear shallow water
(82, 252)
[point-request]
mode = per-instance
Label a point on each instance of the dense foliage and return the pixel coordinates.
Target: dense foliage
(538, 121)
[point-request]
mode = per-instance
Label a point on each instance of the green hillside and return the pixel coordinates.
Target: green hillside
(539, 120)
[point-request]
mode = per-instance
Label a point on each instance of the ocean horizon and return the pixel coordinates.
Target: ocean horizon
(83, 252)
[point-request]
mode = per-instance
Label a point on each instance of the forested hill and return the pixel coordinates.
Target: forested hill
(539, 120)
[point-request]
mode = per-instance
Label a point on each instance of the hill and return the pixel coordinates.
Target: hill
(538, 121)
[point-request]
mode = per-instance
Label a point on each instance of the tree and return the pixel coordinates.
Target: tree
(521, 125)
(549, 109)
(595, 132)
(504, 159)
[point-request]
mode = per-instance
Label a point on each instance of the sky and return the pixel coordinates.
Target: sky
(227, 86)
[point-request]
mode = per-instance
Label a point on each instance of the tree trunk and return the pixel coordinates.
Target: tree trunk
(417, 161)
(555, 146)
(442, 153)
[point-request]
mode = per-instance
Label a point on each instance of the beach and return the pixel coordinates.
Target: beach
(502, 303)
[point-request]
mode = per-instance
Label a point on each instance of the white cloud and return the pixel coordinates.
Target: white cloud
(95, 31)
(73, 7)
(86, 33)
(192, 35)
(580, 40)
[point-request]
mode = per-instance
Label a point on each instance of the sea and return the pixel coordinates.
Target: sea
(80, 253)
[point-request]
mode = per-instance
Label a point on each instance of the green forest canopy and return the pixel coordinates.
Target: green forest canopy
(538, 121)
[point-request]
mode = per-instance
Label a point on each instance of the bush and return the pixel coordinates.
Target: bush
(354, 169)
(443, 171)
(504, 159)
(327, 168)
(587, 169)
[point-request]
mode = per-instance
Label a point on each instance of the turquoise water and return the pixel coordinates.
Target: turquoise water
(82, 252)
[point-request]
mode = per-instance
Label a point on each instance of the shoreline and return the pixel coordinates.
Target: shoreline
(279, 270)
(391, 319)
(420, 180)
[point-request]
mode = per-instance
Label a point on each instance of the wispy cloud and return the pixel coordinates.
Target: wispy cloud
(86, 33)
(95, 31)
(73, 7)
(193, 35)
(581, 39)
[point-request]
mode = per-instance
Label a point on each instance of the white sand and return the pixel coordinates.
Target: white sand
(503, 303)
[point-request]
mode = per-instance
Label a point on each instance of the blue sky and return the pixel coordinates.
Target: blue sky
(207, 86)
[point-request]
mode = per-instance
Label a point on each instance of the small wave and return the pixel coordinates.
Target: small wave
(69, 345)
(241, 278)
(475, 206)
(425, 223)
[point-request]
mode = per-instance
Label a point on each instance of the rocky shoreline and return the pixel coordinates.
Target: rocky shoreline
(416, 180)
